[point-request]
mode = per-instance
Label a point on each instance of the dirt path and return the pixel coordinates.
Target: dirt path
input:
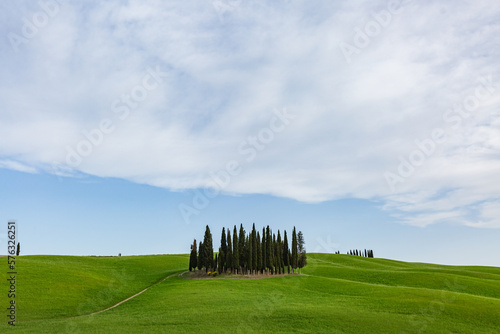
(125, 300)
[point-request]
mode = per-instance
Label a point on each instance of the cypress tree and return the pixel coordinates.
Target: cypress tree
(18, 250)
(302, 251)
(229, 254)
(264, 250)
(241, 246)
(236, 254)
(209, 249)
(274, 250)
(216, 261)
(254, 249)
(221, 258)
(294, 250)
(286, 253)
(201, 256)
(259, 253)
(269, 244)
(279, 253)
(223, 247)
(249, 252)
(193, 257)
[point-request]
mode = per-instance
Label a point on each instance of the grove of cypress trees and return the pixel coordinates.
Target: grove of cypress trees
(253, 253)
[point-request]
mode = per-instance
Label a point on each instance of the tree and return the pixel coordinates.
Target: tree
(236, 254)
(209, 249)
(254, 249)
(264, 250)
(18, 249)
(201, 256)
(223, 246)
(294, 250)
(302, 261)
(193, 257)
(286, 253)
(229, 254)
(249, 256)
(279, 253)
(273, 256)
(269, 247)
(221, 258)
(241, 246)
(259, 254)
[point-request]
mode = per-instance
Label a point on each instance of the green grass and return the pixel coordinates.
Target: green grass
(335, 294)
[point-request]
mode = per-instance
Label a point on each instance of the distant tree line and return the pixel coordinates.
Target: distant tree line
(251, 253)
(366, 253)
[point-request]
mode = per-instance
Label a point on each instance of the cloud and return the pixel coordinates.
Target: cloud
(17, 166)
(83, 84)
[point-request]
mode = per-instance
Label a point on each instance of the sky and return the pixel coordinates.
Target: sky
(128, 126)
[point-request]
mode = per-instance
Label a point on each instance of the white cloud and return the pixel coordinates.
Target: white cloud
(225, 78)
(14, 165)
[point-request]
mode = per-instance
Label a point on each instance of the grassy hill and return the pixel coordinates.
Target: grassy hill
(335, 294)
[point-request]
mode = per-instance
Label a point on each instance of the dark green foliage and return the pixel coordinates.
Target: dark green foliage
(302, 261)
(273, 256)
(254, 248)
(223, 246)
(220, 260)
(294, 250)
(18, 249)
(279, 253)
(259, 254)
(264, 250)
(193, 257)
(201, 256)
(286, 253)
(241, 246)
(249, 252)
(236, 254)
(269, 247)
(208, 249)
(229, 254)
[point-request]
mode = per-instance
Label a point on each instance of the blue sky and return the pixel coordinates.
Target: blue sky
(129, 126)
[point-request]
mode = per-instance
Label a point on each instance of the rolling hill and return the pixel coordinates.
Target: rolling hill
(335, 294)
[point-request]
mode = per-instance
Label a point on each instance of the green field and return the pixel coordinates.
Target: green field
(335, 294)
